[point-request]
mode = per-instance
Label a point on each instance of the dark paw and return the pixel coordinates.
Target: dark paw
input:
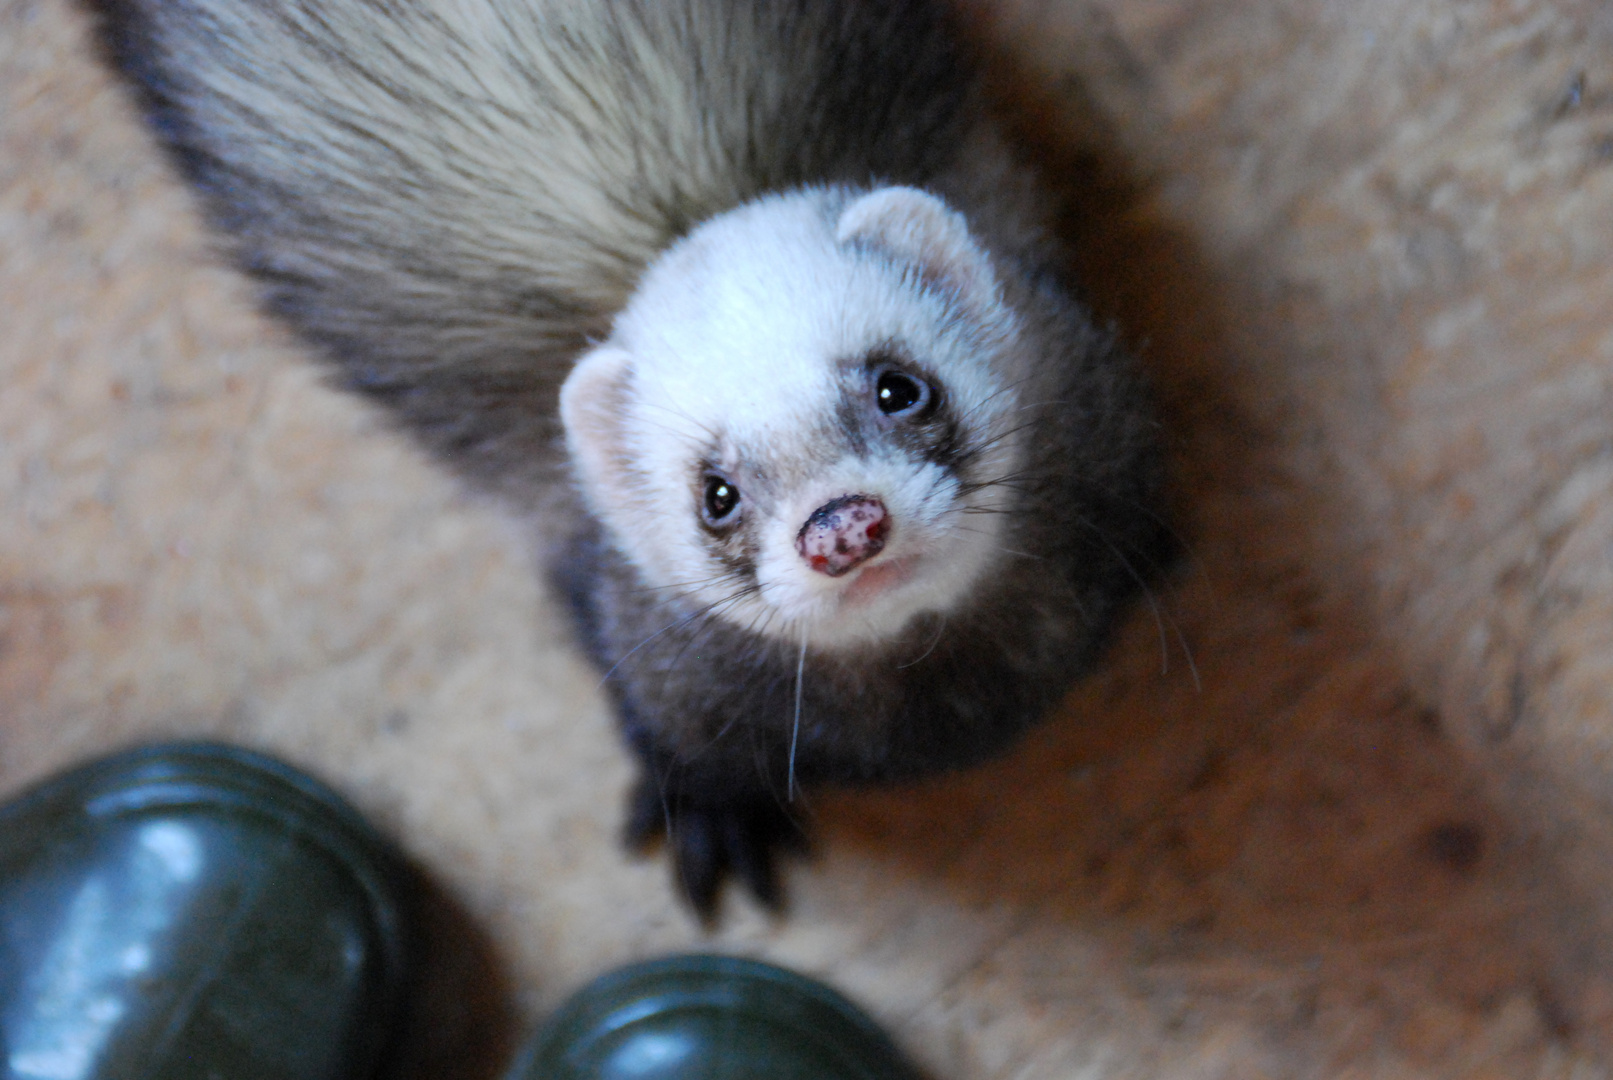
(709, 841)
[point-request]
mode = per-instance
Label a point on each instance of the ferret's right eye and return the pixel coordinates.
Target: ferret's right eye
(721, 499)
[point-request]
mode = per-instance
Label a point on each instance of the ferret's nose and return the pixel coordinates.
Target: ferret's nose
(842, 533)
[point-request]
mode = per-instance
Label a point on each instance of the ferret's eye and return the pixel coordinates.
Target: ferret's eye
(900, 394)
(721, 499)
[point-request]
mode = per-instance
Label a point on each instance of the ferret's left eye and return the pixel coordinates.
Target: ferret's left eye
(720, 501)
(901, 394)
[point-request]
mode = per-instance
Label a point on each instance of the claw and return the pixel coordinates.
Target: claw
(751, 857)
(699, 861)
(646, 816)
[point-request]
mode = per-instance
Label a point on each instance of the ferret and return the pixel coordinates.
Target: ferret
(751, 307)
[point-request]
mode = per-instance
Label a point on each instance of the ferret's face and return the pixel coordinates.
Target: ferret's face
(804, 420)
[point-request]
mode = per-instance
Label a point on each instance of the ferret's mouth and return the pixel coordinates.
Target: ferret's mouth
(879, 578)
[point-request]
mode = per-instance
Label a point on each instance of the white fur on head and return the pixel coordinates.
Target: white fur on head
(740, 352)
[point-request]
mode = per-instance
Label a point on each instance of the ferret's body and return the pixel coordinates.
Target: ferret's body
(854, 488)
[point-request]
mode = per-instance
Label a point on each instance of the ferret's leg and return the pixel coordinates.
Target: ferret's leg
(710, 838)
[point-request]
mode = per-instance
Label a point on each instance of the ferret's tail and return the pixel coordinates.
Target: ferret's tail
(451, 196)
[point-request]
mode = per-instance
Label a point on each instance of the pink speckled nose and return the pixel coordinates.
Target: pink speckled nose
(842, 533)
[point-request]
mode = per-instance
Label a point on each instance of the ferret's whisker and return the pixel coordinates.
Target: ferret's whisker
(961, 527)
(982, 405)
(1160, 618)
(639, 589)
(986, 444)
(711, 433)
(795, 729)
(940, 632)
(675, 624)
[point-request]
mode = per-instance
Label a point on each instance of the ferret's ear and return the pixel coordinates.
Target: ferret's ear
(593, 409)
(917, 228)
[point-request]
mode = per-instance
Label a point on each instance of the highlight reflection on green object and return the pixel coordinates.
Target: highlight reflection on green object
(710, 1018)
(194, 911)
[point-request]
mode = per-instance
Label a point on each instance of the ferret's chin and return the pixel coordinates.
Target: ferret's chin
(877, 581)
(869, 607)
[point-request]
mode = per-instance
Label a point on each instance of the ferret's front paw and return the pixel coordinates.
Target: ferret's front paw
(708, 841)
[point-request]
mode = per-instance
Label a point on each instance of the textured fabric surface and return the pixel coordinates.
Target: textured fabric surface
(1342, 805)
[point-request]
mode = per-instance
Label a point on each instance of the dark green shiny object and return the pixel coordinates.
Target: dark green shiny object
(709, 1018)
(194, 911)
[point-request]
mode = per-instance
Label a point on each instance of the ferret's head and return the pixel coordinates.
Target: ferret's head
(804, 418)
